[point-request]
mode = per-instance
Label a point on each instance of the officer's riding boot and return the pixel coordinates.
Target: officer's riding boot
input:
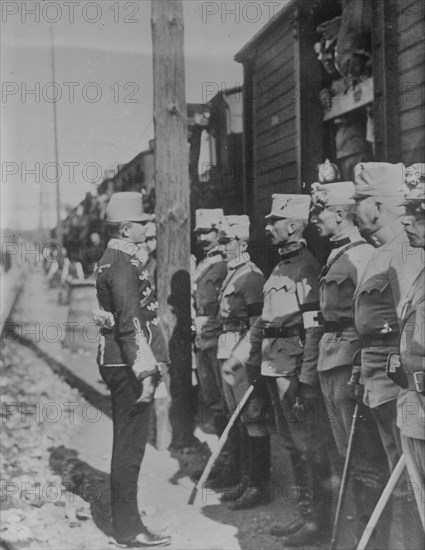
(365, 499)
(257, 490)
(296, 519)
(231, 494)
(226, 471)
(317, 514)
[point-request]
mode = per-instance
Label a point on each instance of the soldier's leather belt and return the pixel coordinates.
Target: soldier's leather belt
(283, 332)
(338, 326)
(242, 326)
(390, 339)
(416, 381)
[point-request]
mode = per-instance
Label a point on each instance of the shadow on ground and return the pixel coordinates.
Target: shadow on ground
(90, 484)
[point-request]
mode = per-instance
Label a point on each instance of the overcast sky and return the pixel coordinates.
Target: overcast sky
(103, 60)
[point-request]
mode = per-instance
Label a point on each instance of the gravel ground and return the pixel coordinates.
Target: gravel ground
(37, 510)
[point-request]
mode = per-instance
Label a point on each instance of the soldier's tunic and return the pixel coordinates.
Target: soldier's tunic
(123, 289)
(242, 288)
(411, 402)
(385, 282)
(207, 281)
(288, 352)
(346, 263)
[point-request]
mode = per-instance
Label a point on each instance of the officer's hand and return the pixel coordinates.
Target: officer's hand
(229, 368)
(292, 392)
(103, 319)
(149, 385)
(355, 390)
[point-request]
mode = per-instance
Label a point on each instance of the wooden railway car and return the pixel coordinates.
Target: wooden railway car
(379, 90)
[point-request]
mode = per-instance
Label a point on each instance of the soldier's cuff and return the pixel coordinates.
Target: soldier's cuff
(141, 375)
(309, 377)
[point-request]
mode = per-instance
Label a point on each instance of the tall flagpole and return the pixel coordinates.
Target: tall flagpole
(55, 130)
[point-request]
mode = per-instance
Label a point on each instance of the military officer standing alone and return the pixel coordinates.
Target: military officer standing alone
(411, 399)
(127, 363)
(385, 282)
(287, 336)
(240, 303)
(332, 206)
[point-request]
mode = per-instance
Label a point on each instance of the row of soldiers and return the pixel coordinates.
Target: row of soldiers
(315, 341)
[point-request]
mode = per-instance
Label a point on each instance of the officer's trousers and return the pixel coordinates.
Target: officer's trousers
(385, 416)
(253, 416)
(414, 453)
(209, 373)
(130, 432)
(369, 459)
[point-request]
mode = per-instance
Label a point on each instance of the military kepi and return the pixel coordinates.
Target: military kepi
(234, 227)
(378, 179)
(332, 194)
(126, 207)
(296, 207)
(208, 218)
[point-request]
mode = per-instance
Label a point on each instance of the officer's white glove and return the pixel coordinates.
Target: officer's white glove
(148, 391)
(229, 368)
(102, 318)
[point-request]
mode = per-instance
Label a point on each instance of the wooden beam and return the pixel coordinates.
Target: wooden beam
(385, 77)
(171, 173)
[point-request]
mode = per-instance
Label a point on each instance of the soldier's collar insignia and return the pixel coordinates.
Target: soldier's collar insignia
(340, 243)
(291, 250)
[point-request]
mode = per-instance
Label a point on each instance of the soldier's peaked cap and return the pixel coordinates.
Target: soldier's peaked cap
(207, 218)
(378, 179)
(290, 206)
(126, 206)
(234, 227)
(332, 194)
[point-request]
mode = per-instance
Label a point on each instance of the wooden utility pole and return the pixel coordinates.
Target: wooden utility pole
(171, 176)
(59, 232)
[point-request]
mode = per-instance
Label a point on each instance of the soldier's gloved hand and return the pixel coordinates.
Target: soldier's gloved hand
(103, 319)
(229, 368)
(302, 394)
(355, 390)
(148, 391)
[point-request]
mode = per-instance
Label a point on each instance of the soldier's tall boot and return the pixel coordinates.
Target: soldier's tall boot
(317, 509)
(226, 471)
(231, 494)
(258, 488)
(296, 519)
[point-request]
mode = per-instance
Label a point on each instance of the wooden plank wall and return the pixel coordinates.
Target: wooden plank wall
(274, 131)
(410, 17)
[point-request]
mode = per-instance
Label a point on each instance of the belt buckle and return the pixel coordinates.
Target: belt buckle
(419, 380)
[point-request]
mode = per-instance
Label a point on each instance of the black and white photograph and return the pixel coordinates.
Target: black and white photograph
(212, 274)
